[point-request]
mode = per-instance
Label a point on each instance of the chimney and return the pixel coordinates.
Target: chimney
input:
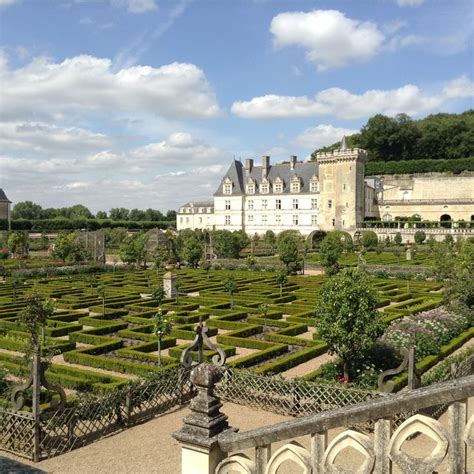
(265, 166)
(293, 161)
(248, 166)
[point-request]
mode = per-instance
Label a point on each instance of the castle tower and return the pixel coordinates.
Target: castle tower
(341, 178)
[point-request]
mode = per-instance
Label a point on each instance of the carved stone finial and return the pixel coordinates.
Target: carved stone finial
(205, 422)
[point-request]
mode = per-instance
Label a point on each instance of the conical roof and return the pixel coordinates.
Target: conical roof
(3, 196)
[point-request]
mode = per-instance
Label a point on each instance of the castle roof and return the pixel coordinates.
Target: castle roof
(3, 196)
(305, 171)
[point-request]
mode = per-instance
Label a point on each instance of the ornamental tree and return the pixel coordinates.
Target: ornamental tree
(369, 239)
(329, 253)
(288, 249)
(35, 316)
(158, 295)
(192, 252)
(398, 238)
(100, 289)
(161, 328)
(420, 236)
(231, 287)
(281, 279)
(134, 249)
(263, 310)
(347, 318)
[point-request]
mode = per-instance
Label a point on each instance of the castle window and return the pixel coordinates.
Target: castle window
(314, 184)
(295, 219)
(334, 222)
(278, 219)
(278, 187)
(329, 203)
(264, 204)
(314, 219)
(187, 220)
(278, 204)
(295, 185)
(295, 203)
(200, 220)
(227, 189)
(227, 220)
(250, 204)
(227, 205)
(344, 187)
(314, 204)
(251, 188)
(264, 187)
(387, 217)
(264, 220)
(250, 218)
(181, 220)
(347, 204)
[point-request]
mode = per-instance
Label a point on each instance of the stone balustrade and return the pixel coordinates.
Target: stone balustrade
(380, 450)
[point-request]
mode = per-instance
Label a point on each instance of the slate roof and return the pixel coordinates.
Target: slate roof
(237, 174)
(198, 204)
(3, 196)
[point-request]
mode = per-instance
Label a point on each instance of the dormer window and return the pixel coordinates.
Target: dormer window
(314, 184)
(227, 188)
(251, 187)
(278, 186)
(264, 186)
(295, 185)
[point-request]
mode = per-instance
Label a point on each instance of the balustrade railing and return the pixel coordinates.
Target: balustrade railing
(381, 448)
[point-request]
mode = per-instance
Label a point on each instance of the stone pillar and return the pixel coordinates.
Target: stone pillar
(200, 452)
(169, 284)
(409, 251)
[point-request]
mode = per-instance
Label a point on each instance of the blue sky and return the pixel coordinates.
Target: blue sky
(143, 103)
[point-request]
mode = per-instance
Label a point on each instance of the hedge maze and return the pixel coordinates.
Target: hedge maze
(98, 347)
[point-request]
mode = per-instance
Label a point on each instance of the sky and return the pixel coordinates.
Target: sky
(145, 103)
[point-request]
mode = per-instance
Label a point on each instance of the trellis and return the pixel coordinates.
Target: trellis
(286, 397)
(55, 432)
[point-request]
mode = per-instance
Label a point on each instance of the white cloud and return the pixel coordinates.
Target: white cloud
(329, 37)
(321, 135)
(4, 3)
(398, 41)
(410, 3)
(341, 103)
(41, 138)
(83, 83)
(136, 6)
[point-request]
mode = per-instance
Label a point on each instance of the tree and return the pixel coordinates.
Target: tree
(281, 279)
(230, 287)
(347, 317)
(254, 241)
(101, 215)
(18, 244)
(288, 249)
(192, 252)
(263, 310)
(420, 236)
(369, 239)
(101, 290)
(26, 210)
(398, 238)
(79, 212)
(162, 327)
(158, 295)
(270, 239)
(134, 249)
(136, 215)
(15, 282)
(329, 253)
(228, 244)
(35, 316)
(68, 248)
(119, 214)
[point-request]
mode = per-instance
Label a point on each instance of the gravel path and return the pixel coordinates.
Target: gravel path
(306, 367)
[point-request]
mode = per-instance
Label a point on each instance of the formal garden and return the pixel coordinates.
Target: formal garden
(113, 339)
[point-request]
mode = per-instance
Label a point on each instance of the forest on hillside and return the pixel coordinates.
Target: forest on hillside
(440, 142)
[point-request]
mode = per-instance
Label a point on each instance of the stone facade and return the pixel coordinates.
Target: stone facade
(331, 193)
(5, 203)
(196, 215)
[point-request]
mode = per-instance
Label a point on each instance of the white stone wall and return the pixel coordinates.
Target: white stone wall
(229, 219)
